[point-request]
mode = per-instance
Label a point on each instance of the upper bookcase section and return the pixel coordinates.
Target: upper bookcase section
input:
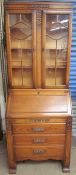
(38, 40)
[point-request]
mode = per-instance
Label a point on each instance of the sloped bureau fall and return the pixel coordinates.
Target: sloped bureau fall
(38, 112)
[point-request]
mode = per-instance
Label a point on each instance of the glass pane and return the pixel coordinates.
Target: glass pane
(21, 57)
(21, 30)
(56, 27)
(60, 76)
(16, 64)
(61, 56)
(16, 58)
(27, 78)
(21, 49)
(55, 51)
(16, 77)
(27, 58)
(16, 54)
(50, 77)
(49, 58)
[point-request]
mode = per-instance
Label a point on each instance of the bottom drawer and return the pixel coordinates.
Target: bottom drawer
(39, 153)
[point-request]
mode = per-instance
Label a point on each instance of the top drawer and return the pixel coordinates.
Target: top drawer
(50, 128)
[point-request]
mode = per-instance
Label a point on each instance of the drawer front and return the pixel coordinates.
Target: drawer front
(34, 139)
(57, 128)
(39, 153)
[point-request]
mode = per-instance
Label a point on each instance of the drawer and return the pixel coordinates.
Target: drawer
(55, 128)
(33, 139)
(39, 153)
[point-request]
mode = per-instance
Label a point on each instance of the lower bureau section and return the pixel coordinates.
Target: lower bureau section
(39, 141)
(43, 135)
(39, 153)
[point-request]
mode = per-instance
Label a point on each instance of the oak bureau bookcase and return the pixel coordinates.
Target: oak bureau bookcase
(38, 111)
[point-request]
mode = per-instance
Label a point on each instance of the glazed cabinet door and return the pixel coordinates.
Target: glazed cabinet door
(21, 49)
(55, 49)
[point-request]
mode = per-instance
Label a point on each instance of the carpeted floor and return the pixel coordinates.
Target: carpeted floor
(37, 168)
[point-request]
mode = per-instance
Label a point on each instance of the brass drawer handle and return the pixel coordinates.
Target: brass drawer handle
(38, 129)
(39, 151)
(38, 141)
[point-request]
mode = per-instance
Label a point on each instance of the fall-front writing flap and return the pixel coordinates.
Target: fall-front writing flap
(39, 103)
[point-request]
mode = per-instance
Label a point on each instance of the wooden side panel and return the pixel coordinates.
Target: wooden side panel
(69, 50)
(8, 46)
(67, 152)
(10, 147)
